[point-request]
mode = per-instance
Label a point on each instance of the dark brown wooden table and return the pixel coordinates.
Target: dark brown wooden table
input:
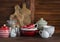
(54, 38)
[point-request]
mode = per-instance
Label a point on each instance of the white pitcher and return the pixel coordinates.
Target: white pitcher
(49, 29)
(44, 34)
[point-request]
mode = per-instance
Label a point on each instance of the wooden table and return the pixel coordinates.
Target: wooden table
(54, 38)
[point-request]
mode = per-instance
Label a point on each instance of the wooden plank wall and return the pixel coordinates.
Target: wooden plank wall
(6, 9)
(49, 10)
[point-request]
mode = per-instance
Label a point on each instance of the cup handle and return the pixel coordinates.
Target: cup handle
(40, 32)
(36, 25)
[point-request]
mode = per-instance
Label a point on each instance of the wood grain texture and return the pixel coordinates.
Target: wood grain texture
(54, 38)
(49, 10)
(6, 9)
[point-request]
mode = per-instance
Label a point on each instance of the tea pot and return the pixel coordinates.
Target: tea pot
(4, 31)
(29, 30)
(41, 23)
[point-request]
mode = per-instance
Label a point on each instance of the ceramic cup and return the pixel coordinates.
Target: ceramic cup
(49, 29)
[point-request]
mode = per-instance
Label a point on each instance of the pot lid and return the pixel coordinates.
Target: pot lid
(42, 21)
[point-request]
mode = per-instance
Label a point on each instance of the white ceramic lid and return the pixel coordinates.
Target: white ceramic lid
(42, 21)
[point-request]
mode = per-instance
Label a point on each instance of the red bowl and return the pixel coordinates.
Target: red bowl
(28, 33)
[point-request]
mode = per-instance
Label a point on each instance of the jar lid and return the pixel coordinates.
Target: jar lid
(42, 21)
